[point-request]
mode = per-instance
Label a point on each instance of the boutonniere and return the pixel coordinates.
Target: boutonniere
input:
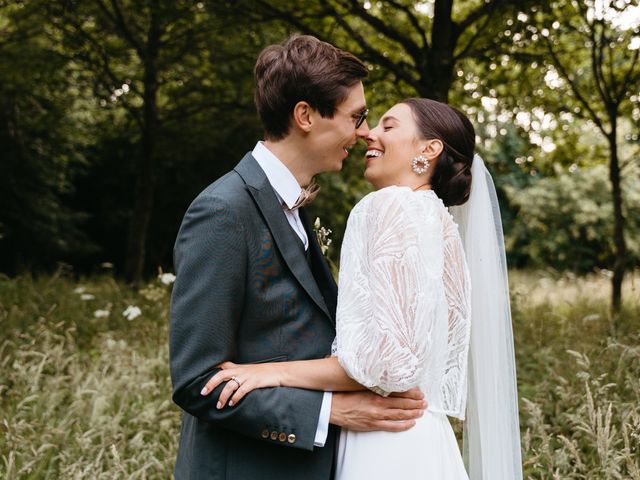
(322, 234)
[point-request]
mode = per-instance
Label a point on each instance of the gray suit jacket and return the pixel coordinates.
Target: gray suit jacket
(245, 291)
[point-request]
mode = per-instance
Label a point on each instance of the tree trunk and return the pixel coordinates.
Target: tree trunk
(619, 264)
(436, 73)
(145, 182)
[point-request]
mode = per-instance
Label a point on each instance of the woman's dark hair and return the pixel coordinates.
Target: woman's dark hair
(302, 68)
(451, 179)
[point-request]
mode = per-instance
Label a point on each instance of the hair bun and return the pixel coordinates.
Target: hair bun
(451, 180)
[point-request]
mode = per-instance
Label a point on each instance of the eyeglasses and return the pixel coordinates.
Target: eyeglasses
(360, 117)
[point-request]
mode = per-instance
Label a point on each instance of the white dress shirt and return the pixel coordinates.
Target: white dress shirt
(288, 190)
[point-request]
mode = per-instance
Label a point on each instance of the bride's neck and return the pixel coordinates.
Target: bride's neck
(424, 186)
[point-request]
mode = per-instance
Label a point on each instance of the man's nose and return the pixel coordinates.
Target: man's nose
(363, 130)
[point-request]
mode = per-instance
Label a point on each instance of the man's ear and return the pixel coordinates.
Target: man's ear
(302, 117)
(433, 149)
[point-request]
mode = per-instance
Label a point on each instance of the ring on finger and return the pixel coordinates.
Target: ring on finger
(235, 379)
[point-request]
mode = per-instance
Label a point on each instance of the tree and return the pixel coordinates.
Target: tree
(130, 51)
(567, 219)
(140, 144)
(412, 48)
(418, 45)
(592, 68)
(40, 141)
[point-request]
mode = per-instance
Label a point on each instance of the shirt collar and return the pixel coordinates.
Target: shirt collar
(280, 177)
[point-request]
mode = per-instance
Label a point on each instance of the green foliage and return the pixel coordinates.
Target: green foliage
(41, 141)
(567, 221)
(81, 80)
(72, 88)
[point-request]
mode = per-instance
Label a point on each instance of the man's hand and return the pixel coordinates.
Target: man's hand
(365, 411)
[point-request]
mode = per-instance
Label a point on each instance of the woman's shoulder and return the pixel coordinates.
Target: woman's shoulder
(392, 191)
(380, 202)
(398, 199)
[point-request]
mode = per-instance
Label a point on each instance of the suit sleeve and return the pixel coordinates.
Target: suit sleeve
(206, 307)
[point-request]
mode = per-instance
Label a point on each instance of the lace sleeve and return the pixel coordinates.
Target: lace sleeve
(457, 285)
(390, 273)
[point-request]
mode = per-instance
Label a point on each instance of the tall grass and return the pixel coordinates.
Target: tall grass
(578, 376)
(84, 396)
(85, 392)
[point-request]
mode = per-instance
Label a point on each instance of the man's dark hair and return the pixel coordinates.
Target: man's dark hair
(302, 68)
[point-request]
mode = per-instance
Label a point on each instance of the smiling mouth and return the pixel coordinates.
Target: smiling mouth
(373, 154)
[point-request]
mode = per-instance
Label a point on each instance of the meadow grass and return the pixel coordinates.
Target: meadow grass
(85, 392)
(84, 396)
(578, 376)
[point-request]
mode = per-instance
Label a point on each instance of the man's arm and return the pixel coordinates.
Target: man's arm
(206, 306)
(362, 411)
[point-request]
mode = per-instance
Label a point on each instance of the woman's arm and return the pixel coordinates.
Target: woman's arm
(324, 374)
(390, 290)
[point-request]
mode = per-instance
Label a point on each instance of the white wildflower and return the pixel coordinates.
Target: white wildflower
(132, 312)
(101, 313)
(87, 296)
(167, 278)
(79, 290)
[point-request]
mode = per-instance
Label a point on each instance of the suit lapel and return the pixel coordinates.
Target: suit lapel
(283, 235)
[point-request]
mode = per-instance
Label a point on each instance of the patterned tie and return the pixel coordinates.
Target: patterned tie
(306, 196)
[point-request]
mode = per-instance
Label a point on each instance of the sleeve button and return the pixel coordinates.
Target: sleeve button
(291, 438)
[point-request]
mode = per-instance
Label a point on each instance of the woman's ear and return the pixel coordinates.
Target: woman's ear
(302, 117)
(433, 149)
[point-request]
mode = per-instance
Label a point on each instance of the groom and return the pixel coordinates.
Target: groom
(252, 285)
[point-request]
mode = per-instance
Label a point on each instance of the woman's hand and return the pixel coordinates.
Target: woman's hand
(241, 379)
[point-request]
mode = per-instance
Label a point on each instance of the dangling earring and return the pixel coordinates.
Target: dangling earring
(419, 164)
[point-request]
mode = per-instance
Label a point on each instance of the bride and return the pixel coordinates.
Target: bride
(423, 302)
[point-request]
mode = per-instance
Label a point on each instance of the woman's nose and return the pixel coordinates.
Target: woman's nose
(372, 136)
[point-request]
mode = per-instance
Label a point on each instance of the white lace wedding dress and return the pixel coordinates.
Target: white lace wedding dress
(403, 321)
